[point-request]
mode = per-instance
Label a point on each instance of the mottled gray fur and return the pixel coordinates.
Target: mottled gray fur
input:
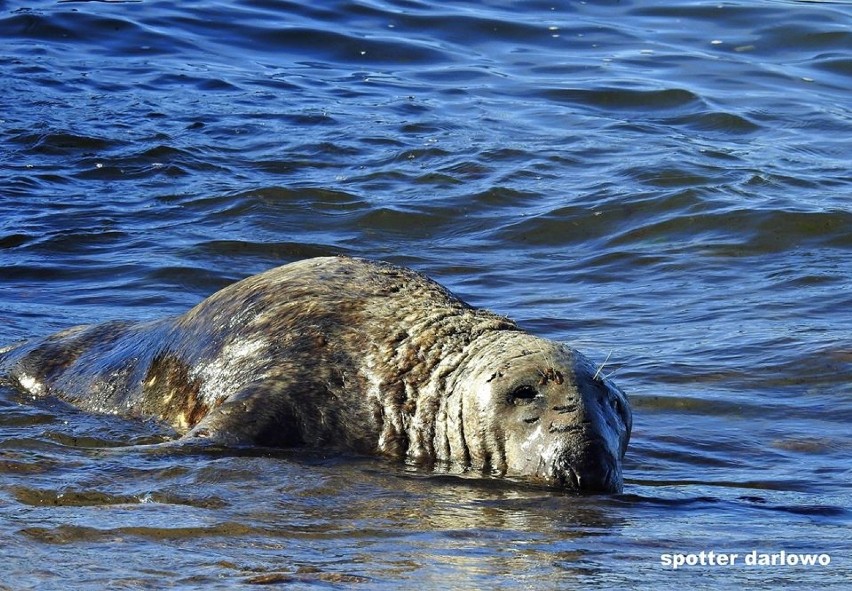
(349, 354)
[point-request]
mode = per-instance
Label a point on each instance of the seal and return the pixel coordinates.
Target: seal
(348, 354)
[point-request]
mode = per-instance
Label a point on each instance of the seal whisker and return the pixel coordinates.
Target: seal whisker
(612, 373)
(597, 373)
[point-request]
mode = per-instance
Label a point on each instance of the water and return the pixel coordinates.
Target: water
(663, 184)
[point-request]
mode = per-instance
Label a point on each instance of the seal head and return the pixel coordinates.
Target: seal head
(535, 410)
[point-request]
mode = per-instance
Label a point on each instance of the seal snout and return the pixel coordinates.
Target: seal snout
(586, 449)
(598, 417)
(594, 470)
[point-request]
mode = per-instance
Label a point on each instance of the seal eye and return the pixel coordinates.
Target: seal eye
(522, 395)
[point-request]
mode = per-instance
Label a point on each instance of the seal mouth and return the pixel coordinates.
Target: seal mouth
(596, 471)
(605, 480)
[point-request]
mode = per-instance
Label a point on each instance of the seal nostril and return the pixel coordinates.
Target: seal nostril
(565, 408)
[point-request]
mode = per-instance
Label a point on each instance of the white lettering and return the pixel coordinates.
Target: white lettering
(782, 558)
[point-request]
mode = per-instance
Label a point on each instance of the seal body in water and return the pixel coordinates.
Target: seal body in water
(349, 354)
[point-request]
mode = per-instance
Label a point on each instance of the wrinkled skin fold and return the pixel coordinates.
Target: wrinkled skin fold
(348, 354)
